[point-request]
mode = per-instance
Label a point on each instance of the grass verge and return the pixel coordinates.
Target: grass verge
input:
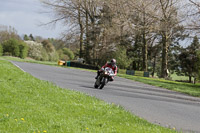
(187, 88)
(28, 60)
(30, 105)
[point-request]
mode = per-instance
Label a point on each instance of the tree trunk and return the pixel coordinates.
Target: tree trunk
(81, 34)
(139, 63)
(94, 35)
(81, 42)
(94, 43)
(144, 66)
(190, 79)
(194, 81)
(154, 66)
(87, 52)
(164, 56)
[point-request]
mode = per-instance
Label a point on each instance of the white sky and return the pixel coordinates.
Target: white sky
(25, 16)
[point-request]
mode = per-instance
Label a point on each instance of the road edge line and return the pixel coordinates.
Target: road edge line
(18, 66)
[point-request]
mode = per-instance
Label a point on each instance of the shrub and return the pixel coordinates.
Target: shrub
(53, 56)
(41, 51)
(23, 47)
(65, 54)
(36, 50)
(15, 48)
(50, 49)
(69, 53)
(11, 47)
(48, 46)
(61, 55)
(44, 55)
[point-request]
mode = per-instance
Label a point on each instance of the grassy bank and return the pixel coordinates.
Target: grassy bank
(187, 88)
(30, 105)
(28, 60)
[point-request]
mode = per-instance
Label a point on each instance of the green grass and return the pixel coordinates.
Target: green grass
(187, 88)
(29, 60)
(29, 105)
(176, 77)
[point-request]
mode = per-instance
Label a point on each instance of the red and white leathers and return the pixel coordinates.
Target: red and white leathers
(113, 67)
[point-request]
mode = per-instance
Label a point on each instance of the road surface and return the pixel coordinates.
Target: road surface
(156, 105)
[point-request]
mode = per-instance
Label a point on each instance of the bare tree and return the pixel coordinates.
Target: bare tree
(141, 21)
(8, 32)
(167, 21)
(70, 13)
(194, 15)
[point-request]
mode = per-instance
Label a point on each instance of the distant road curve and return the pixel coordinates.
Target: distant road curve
(156, 105)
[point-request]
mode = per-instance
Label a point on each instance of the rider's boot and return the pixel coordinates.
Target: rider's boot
(111, 79)
(98, 73)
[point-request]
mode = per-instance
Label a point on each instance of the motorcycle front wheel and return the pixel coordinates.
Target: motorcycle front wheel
(96, 86)
(104, 81)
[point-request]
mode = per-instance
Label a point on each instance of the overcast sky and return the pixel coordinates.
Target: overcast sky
(25, 16)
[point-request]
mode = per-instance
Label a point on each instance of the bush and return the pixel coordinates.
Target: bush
(48, 46)
(53, 56)
(65, 54)
(44, 55)
(1, 50)
(36, 50)
(39, 51)
(61, 55)
(11, 47)
(69, 53)
(23, 47)
(15, 48)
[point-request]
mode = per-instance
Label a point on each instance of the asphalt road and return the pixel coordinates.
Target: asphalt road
(156, 105)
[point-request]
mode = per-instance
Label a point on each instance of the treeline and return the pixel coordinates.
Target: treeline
(11, 44)
(142, 35)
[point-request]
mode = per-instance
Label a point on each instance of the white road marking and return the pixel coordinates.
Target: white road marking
(18, 67)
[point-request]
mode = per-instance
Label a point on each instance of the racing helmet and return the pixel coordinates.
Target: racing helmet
(113, 62)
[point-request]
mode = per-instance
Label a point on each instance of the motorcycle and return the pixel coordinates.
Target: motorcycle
(104, 77)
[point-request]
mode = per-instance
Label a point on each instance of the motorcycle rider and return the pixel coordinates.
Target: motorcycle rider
(112, 65)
